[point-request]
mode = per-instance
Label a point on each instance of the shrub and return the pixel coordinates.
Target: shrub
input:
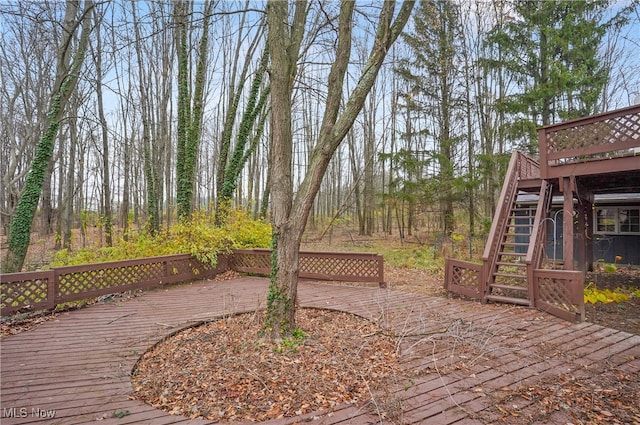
(198, 237)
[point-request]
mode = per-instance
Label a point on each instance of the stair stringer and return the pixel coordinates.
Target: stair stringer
(520, 167)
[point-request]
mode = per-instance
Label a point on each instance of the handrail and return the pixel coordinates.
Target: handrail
(506, 197)
(534, 253)
(520, 167)
(535, 249)
(528, 168)
(611, 134)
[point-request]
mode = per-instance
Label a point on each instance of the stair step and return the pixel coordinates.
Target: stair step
(507, 263)
(513, 254)
(509, 300)
(515, 243)
(509, 287)
(510, 275)
(530, 185)
(521, 225)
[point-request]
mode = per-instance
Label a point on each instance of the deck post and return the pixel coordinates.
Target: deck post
(567, 222)
(589, 236)
(584, 237)
(542, 148)
(581, 237)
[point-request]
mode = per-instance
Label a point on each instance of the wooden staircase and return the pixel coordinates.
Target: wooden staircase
(514, 246)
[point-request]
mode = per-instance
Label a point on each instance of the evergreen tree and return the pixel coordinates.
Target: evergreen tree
(433, 76)
(551, 50)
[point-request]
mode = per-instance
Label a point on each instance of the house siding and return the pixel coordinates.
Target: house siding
(605, 246)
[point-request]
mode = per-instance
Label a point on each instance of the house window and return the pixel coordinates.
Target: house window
(606, 220)
(629, 220)
(622, 220)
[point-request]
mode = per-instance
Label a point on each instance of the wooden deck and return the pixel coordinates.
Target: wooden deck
(457, 354)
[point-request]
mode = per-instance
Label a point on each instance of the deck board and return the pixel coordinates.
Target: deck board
(454, 352)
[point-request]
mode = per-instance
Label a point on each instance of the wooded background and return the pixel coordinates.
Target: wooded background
(170, 111)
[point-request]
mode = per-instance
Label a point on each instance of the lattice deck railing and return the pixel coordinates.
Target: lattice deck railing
(338, 266)
(611, 135)
(44, 290)
(560, 292)
(463, 278)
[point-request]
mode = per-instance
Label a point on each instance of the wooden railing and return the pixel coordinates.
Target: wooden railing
(574, 145)
(528, 168)
(464, 278)
(338, 266)
(44, 290)
(557, 292)
(560, 292)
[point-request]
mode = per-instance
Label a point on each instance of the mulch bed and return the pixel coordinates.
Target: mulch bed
(227, 371)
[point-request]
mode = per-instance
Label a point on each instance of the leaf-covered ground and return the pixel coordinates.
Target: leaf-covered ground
(624, 316)
(601, 396)
(226, 371)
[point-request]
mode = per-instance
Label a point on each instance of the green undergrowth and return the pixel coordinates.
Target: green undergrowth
(414, 258)
(594, 295)
(199, 237)
(291, 343)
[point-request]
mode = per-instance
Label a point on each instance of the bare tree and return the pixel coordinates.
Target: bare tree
(153, 59)
(190, 103)
(104, 130)
(27, 72)
(67, 70)
(289, 212)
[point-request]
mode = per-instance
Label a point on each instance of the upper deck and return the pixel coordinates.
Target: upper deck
(603, 148)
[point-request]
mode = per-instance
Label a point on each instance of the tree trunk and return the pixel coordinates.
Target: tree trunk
(67, 72)
(190, 107)
(253, 119)
(106, 178)
(369, 153)
(67, 223)
(153, 186)
(284, 47)
(355, 171)
(235, 95)
(289, 214)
